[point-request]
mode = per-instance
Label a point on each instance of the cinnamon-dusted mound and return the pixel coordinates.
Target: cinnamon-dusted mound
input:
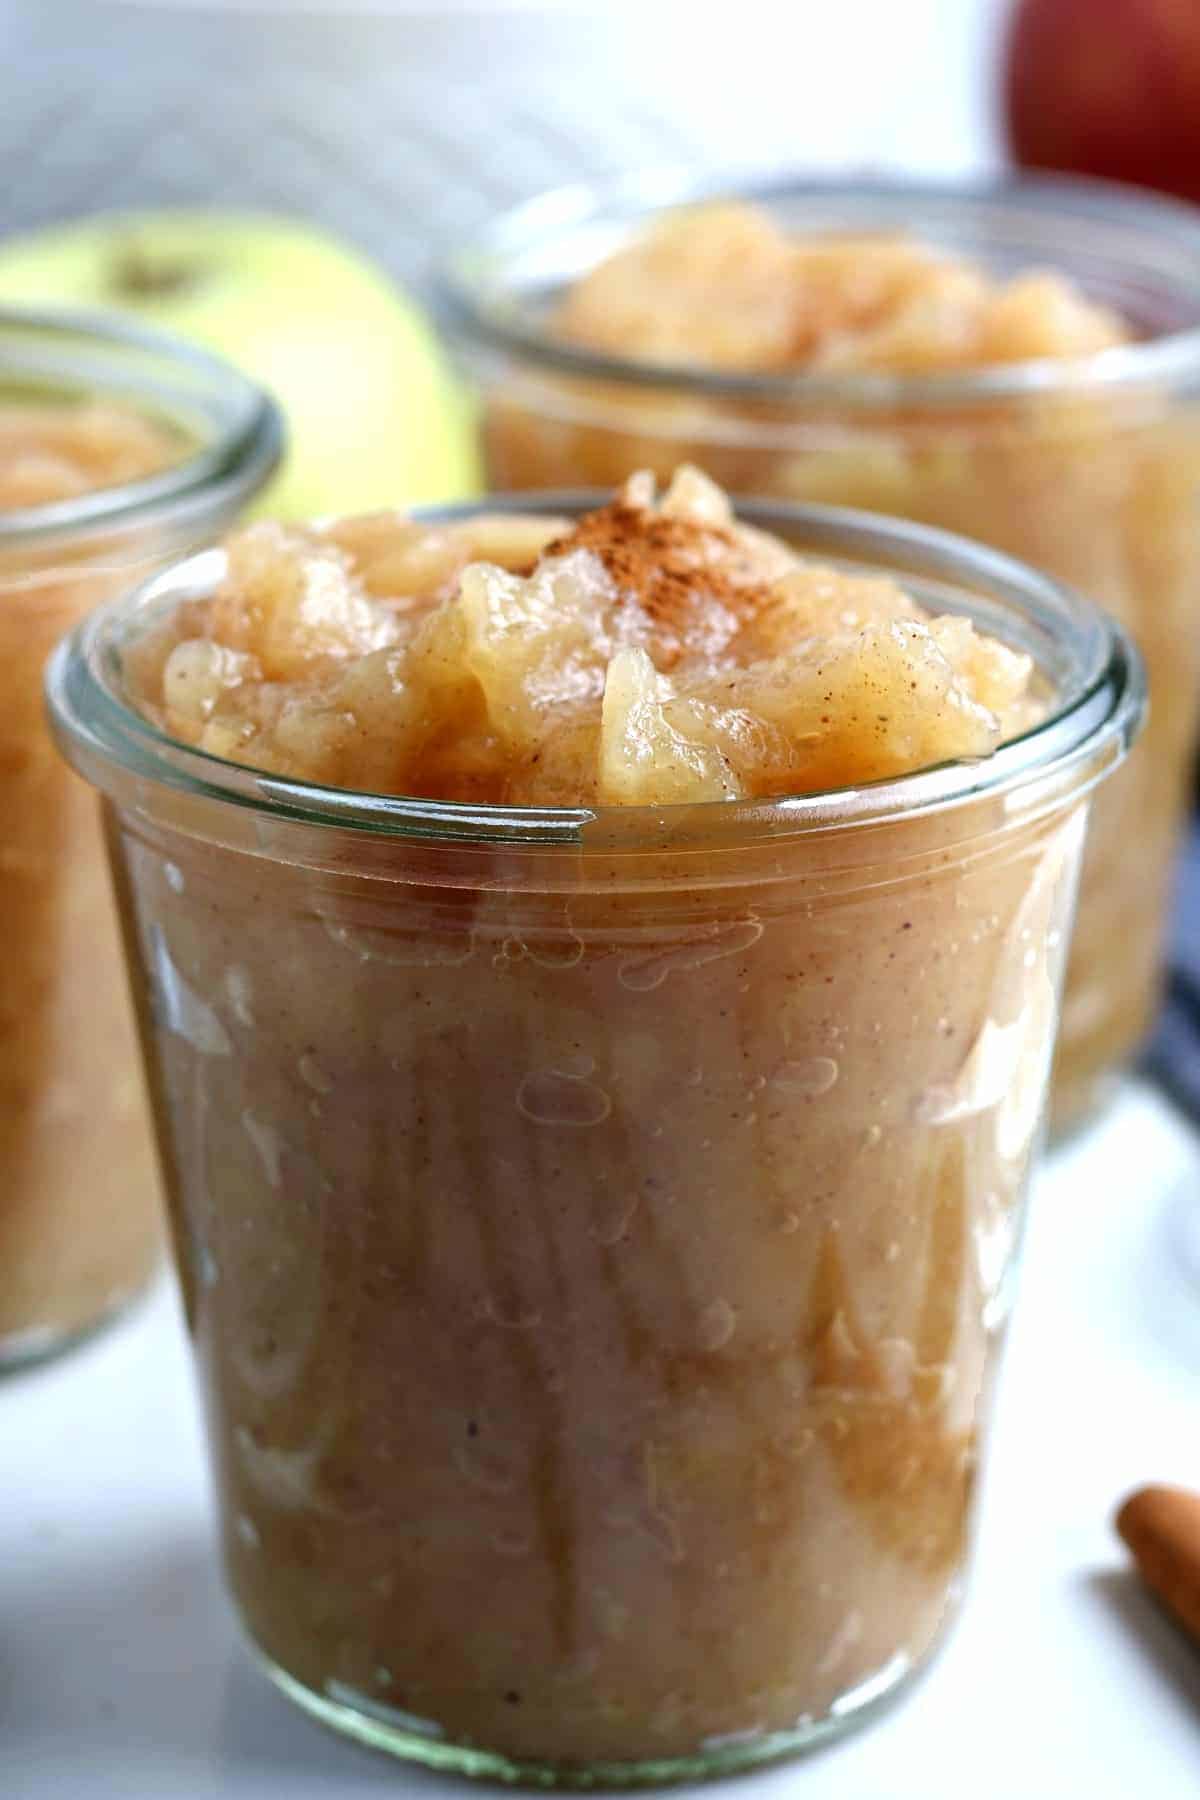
(670, 564)
(654, 653)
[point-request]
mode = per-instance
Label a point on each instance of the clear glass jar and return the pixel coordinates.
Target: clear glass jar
(1089, 470)
(610, 1213)
(79, 1205)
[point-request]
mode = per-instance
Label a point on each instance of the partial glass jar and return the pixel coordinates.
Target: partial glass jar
(80, 1223)
(1088, 469)
(613, 1213)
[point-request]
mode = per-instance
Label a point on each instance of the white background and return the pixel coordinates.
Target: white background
(402, 126)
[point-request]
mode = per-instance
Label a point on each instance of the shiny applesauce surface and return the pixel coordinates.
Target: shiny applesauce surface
(654, 651)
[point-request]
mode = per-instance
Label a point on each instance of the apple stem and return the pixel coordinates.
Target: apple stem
(139, 273)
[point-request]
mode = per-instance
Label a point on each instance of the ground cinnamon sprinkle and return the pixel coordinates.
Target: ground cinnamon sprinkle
(666, 564)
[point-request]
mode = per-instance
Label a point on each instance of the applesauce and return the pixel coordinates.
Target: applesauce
(598, 975)
(111, 452)
(1018, 363)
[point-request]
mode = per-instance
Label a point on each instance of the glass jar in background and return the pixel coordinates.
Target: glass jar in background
(613, 1212)
(81, 400)
(1089, 469)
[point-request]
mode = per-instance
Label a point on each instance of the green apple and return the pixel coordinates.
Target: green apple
(374, 416)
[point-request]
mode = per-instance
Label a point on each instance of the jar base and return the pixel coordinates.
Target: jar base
(29, 1349)
(381, 1728)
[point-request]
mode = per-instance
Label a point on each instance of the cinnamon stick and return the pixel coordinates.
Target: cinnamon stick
(1161, 1526)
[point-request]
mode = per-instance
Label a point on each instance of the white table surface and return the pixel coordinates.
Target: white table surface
(121, 1675)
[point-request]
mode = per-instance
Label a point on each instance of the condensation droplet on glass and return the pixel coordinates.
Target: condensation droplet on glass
(892, 1253)
(548, 1097)
(312, 1073)
(897, 1359)
(693, 1078)
(934, 1385)
(643, 972)
(872, 1136)
(842, 1642)
(206, 1267)
(343, 1695)
(664, 1532)
(413, 950)
(612, 1615)
(268, 1143)
(174, 877)
(718, 1322)
(807, 1075)
(266, 832)
(237, 989)
(182, 1011)
(730, 1740)
(491, 1312)
(935, 1106)
(997, 1307)
(555, 953)
(789, 1223)
(613, 1229)
(381, 1676)
(247, 1532)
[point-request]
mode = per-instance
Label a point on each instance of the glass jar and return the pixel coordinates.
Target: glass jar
(1088, 469)
(79, 1203)
(612, 1213)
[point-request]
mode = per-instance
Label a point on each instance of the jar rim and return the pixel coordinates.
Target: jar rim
(74, 348)
(478, 303)
(1098, 711)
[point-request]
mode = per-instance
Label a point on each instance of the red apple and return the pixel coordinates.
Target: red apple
(1107, 87)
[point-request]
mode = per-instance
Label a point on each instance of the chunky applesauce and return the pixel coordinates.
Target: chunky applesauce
(55, 452)
(596, 1253)
(725, 287)
(79, 1228)
(645, 655)
(1097, 483)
